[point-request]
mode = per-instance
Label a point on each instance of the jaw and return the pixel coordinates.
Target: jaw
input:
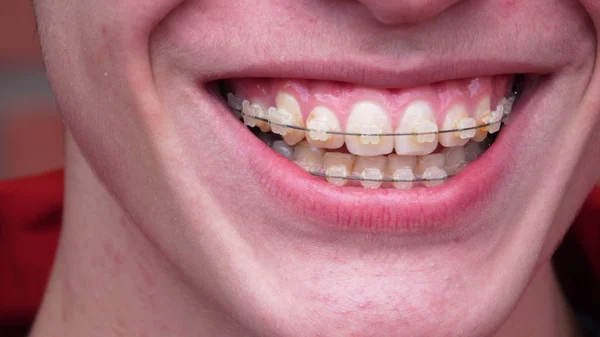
(391, 273)
(280, 262)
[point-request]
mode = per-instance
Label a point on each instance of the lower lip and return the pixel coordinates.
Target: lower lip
(417, 211)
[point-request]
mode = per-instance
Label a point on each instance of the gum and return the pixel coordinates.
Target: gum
(340, 97)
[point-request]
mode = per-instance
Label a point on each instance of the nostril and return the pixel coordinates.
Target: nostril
(406, 11)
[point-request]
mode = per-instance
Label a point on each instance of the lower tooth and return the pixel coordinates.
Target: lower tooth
(472, 151)
(370, 169)
(267, 138)
(338, 165)
(434, 176)
(401, 168)
(456, 160)
(283, 149)
(310, 158)
(430, 168)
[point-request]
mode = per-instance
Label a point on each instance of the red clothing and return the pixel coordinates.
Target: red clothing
(30, 216)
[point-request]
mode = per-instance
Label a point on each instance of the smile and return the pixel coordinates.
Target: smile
(375, 138)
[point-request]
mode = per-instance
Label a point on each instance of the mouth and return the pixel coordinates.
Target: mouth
(350, 157)
(349, 135)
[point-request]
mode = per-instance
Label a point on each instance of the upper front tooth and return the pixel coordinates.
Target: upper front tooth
(287, 113)
(370, 169)
(418, 118)
(337, 165)
(369, 120)
(321, 121)
(467, 125)
(401, 169)
(457, 118)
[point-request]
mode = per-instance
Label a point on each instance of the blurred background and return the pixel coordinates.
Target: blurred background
(30, 129)
(30, 144)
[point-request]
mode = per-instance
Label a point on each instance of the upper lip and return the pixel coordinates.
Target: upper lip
(352, 48)
(382, 72)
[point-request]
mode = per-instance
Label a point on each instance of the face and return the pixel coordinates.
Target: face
(413, 228)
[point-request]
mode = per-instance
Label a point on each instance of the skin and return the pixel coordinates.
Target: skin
(155, 243)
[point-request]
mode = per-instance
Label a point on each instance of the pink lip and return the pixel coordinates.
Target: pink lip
(420, 211)
(379, 72)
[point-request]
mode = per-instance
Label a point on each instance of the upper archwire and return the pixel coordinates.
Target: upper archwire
(506, 110)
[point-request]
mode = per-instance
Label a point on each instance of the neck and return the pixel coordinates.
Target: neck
(542, 311)
(110, 280)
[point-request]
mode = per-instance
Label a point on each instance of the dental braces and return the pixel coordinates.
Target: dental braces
(504, 109)
(382, 180)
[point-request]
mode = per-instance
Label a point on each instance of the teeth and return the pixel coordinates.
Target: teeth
(457, 118)
(251, 110)
(370, 168)
(283, 149)
(401, 168)
(418, 117)
(236, 104)
(456, 160)
(248, 120)
(369, 119)
(472, 151)
(287, 113)
(310, 158)
(338, 165)
(507, 103)
(320, 121)
(279, 118)
(430, 167)
(267, 137)
(482, 113)
(494, 117)
(467, 125)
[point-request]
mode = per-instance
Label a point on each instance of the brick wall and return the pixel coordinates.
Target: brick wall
(30, 131)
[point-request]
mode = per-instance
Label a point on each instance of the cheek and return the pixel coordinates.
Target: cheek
(583, 180)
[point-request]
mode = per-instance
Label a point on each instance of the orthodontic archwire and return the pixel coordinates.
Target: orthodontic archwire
(505, 115)
(382, 180)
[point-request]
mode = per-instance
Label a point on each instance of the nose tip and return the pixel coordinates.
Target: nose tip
(406, 11)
